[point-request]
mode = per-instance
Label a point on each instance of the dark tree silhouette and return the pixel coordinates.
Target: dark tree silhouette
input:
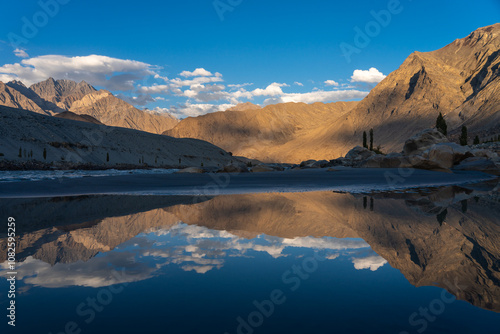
(463, 137)
(371, 139)
(441, 125)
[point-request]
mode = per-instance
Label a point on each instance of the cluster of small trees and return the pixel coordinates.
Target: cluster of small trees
(29, 154)
(443, 128)
(365, 142)
(493, 139)
(24, 153)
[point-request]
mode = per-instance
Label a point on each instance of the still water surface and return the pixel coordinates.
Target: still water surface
(421, 262)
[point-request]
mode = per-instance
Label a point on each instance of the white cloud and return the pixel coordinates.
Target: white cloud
(193, 110)
(205, 93)
(196, 248)
(195, 92)
(331, 83)
(21, 53)
(371, 76)
(173, 86)
(238, 86)
(138, 100)
(111, 73)
(199, 72)
(114, 268)
(155, 89)
(271, 90)
(318, 96)
(325, 243)
(373, 262)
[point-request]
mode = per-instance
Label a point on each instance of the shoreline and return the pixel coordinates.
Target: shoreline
(353, 180)
(35, 165)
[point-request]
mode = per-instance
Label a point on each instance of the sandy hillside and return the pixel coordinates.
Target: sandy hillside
(72, 141)
(289, 132)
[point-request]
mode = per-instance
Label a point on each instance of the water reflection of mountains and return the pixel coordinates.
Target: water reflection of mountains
(443, 237)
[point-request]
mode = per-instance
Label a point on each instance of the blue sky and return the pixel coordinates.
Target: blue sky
(286, 50)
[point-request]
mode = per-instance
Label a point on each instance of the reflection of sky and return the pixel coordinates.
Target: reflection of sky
(188, 247)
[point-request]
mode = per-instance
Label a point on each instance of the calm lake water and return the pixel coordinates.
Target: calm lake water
(426, 261)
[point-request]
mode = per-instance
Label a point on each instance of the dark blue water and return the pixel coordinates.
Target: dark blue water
(189, 278)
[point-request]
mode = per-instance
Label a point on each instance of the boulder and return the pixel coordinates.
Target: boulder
(320, 164)
(314, 164)
(359, 154)
(392, 160)
(191, 170)
(307, 163)
(483, 153)
(440, 154)
(417, 161)
(337, 162)
(479, 164)
(447, 154)
(422, 141)
(261, 168)
(235, 168)
(395, 160)
(373, 162)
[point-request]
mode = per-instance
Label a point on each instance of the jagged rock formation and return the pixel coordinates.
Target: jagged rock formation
(10, 97)
(53, 97)
(62, 92)
(111, 110)
(459, 80)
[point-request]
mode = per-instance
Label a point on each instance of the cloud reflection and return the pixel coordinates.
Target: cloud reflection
(187, 247)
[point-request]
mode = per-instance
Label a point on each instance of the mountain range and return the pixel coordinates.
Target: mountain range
(461, 81)
(67, 99)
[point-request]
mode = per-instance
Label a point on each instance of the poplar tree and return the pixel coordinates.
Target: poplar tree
(463, 136)
(441, 125)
